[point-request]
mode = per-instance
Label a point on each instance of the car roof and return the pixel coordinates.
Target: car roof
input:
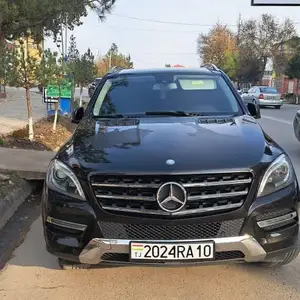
(198, 71)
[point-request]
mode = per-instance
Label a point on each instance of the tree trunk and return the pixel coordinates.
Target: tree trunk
(55, 117)
(30, 123)
(80, 98)
(297, 94)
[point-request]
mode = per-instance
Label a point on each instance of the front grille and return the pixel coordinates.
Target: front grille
(171, 232)
(206, 193)
(124, 257)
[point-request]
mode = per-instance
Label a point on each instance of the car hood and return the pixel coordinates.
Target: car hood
(145, 144)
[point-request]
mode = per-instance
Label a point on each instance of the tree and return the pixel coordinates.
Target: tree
(219, 47)
(6, 61)
(113, 58)
(287, 50)
(293, 71)
(73, 52)
(263, 38)
(84, 70)
(18, 17)
(52, 70)
(167, 66)
(24, 69)
(250, 67)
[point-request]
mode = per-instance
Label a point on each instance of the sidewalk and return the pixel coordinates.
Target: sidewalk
(13, 109)
(29, 164)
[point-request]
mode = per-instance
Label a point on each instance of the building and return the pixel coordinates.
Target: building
(34, 49)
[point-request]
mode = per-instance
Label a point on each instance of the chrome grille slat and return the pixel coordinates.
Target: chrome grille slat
(134, 198)
(186, 185)
(179, 213)
(206, 193)
(220, 195)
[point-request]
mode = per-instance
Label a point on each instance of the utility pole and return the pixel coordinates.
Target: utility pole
(110, 54)
(239, 29)
(62, 41)
(238, 40)
(66, 38)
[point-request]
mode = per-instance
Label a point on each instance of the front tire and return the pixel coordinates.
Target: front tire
(289, 257)
(278, 107)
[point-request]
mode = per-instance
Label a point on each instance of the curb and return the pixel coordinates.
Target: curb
(13, 200)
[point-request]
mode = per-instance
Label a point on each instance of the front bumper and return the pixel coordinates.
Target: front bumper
(240, 248)
(75, 230)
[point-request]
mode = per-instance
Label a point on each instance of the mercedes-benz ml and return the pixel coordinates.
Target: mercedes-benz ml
(169, 167)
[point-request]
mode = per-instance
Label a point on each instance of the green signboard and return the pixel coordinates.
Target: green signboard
(66, 90)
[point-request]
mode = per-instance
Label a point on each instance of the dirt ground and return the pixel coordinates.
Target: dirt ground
(8, 182)
(44, 138)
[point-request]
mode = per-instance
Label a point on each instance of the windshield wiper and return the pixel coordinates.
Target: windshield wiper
(118, 116)
(167, 113)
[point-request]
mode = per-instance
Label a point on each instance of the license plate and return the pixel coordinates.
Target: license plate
(172, 251)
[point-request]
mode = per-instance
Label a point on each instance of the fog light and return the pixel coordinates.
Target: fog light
(277, 220)
(66, 224)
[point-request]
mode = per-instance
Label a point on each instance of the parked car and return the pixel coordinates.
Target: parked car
(92, 87)
(296, 125)
(169, 167)
(264, 95)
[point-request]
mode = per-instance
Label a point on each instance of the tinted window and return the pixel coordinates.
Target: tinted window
(268, 90)
(134, 94)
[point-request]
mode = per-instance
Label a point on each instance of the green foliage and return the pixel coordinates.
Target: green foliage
(18, 18)
(293, 68)
(84, 69)
(48, 68)
(167, 66)
(6, 64)
(230, 64)
(24, 66)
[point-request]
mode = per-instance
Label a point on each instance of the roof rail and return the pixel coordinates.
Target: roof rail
(210, 67)
(115, 70)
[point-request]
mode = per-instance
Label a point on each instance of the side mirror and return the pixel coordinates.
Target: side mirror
(77, 115)
(254, 110)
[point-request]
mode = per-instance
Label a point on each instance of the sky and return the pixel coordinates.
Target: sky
(152, 44)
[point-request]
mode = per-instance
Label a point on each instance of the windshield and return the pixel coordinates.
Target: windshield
(268, 90)
(133, 94)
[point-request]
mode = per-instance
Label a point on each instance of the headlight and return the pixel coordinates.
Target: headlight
(279, 175)
(62, 177)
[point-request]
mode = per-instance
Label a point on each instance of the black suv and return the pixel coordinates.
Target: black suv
(166, 167)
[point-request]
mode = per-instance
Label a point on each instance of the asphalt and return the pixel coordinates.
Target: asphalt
(34, 274)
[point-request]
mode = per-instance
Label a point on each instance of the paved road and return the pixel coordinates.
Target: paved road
(13, 109)
(34, 274)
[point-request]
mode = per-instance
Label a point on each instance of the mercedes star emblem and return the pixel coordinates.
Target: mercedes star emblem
(171, 197)
(170, 162)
